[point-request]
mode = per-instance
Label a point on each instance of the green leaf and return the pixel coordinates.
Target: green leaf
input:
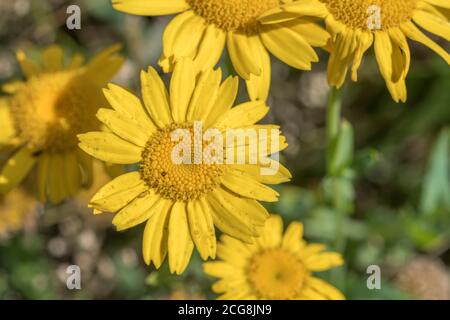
(436, 186)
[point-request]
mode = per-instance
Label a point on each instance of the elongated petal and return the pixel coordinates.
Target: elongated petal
(109, 147)
(240, 48)
(202, 228)
(156, 98)
(150, 7)
(124, 127)
(154, 243)
(137, 211)
(227, 92)
(128, 105)
(243, 184)
(16, 169)
(180, 242)
(119, 192)
(243, 115)
(182, 86)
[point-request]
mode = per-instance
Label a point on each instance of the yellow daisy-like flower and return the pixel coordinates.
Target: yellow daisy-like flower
(356, 25)
(44, 113)
(182, 202)
(249, 29)
(276, 267)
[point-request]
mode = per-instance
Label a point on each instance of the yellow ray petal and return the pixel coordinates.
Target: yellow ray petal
(205, 95)
(323, 261)
(202, 228)
(156, 98)
(243, 115)
(179, 242)
(109, 147)
(154, 243)
(243, 184)
(240, 49)
(210, 48)
(57, 185)
(150, 7)
(181, 38)
(415, 34)
(128, 105)
(124, 127)
(119, 192)
(288, 46)
(258, 86)
(293, 236)
(16, 169)
(227, 92)
(137, 211)
(182, 87)
(324, 288)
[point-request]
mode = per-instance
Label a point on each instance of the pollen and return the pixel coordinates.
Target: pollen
(52, 108)
(178, 180)
(233, 15)
(276, 274)
(357, 14)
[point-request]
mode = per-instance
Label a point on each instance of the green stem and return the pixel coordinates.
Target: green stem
(333, 121)
(333, 125)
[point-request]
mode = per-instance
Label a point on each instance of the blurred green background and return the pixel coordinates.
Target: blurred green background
(395, 195)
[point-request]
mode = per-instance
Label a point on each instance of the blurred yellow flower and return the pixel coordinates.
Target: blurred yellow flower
(387, 24)
(249, 28)
(43, 115)
(17, 209)
(181, 202)
(276, 267)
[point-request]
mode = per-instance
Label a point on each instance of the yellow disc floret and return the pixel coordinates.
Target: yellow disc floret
(276, 274)
(52, 108)
(172, 179)
(357, 13)
(232, 15)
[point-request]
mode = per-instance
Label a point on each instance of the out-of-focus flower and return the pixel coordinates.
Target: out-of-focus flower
(356, 25)
(277, 266)
(249, 28)
(43, 115)
(424, 278)
(182, 202)
(17, 209)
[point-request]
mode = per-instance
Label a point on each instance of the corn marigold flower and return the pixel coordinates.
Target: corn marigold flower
(43, 115)
(248, 28)
(356, 25)
(275, 267)
(182, 202)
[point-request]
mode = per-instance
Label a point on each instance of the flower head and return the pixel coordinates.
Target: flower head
(248, 28)
(356, 25)
(43, 115)
(182, 201)
(276, 267)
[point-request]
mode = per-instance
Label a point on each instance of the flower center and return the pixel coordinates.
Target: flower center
(233, 15)
(371, 14)
(175, 168)
(276, 275)
(53, 108)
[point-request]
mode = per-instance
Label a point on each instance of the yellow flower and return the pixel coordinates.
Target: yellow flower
(387, 24)
(181, 201)
(17, 209)
(43, 115)
(276, 267)
(249, 29)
